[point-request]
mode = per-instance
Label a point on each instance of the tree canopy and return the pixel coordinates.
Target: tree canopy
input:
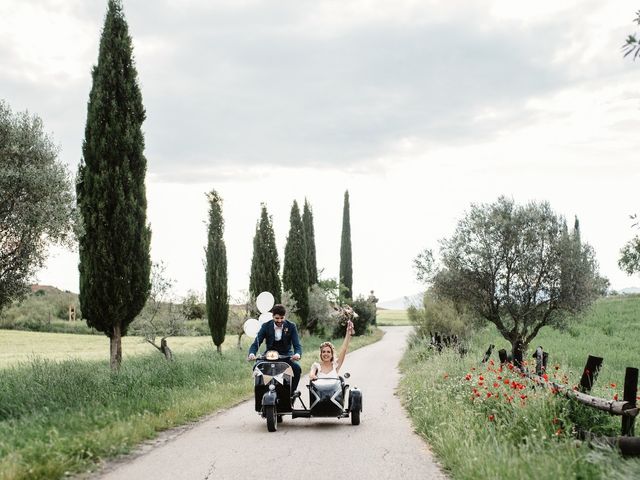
(295, 277)
(629, 260)
(216, 273)
(632, 44)
(346, 267)
(517, 267)
(307, 220)
(265, 265)
(114, 240)
(36, 201)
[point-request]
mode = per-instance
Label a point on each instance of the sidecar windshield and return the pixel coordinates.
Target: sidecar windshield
(272, 368)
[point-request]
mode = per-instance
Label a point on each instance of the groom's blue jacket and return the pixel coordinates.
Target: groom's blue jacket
(289, 338)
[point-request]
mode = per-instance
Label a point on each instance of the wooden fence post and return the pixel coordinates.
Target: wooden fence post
(538, 355)
(487, 354)
(517, 354)
(502, 353)
(630, 393)
(590, 373)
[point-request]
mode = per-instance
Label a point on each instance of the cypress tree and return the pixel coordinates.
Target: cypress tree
(265, 265)
(307, 221)
(216, 272)
(114, 240)
(346, 269)
(295, 277)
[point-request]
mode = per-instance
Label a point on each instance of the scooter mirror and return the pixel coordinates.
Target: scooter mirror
(347, 375)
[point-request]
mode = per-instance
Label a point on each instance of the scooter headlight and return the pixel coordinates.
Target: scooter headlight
(272, 355)
(272, 387)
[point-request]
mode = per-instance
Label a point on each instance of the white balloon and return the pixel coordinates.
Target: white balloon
(265, 317)
(251, 327)
(265, 302)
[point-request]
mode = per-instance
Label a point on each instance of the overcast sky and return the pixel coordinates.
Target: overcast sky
(419, 108)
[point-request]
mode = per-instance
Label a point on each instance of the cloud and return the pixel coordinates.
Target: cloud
(233, 85)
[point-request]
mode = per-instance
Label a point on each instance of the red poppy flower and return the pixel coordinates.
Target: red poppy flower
(492, 418)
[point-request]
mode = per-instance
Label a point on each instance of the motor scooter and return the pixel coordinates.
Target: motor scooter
(274, 398)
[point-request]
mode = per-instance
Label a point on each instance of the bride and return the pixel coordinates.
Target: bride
(330, 364)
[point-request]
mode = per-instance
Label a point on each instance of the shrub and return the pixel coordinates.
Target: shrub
(321, 319)
(441, 316)
(366, 312)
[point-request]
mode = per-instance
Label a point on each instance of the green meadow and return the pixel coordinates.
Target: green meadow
(20, 346)
(486, 422)
(392, 318)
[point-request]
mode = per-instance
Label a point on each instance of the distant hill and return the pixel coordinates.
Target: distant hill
(45, 288)
(630, 290)
(401, 303)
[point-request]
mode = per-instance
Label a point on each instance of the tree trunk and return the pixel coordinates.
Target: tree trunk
(166, 351)
(116, 348)
(219, 349)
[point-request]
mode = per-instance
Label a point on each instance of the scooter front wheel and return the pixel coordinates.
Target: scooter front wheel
(271, 416)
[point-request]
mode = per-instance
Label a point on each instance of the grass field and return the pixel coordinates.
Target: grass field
(58, 418)
(392, 318)
(19, 346)
(481, 427)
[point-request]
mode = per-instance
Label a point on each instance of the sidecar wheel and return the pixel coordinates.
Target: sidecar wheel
(270, 414)
(355, 417)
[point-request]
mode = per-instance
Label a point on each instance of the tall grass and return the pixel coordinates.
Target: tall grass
(479, 436)
(58, 418)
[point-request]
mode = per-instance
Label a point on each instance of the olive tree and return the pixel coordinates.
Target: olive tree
(629, 260)
(36, 201)
(517, 267)
(160, 317)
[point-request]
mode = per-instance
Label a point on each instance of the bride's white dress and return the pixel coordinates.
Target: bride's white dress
(320, 374)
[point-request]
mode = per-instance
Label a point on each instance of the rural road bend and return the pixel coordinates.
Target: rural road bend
(235, 443)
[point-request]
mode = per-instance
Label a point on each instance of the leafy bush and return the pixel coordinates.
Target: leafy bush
(441, 316)
(366, 312)
(44, 311)
(321, 319)
(192, 306)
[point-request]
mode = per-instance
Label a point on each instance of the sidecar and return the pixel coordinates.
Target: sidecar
(329, 397)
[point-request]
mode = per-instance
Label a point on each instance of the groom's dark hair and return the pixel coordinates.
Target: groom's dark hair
(278, 309)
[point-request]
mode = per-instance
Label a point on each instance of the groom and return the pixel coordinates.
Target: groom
(280, 335)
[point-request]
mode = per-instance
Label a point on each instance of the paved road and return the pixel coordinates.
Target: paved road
(235, 444)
